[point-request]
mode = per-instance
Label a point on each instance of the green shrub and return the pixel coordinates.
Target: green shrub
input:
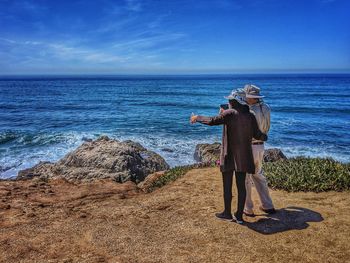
(308, 174)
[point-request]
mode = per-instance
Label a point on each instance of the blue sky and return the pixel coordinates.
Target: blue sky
(179, 36)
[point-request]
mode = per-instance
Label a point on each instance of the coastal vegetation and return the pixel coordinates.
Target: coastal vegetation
(292, 175)
(308, 174)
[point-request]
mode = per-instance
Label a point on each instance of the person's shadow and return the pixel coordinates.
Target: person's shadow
(285, 219)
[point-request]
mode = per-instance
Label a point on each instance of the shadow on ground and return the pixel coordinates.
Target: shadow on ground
(285, 219)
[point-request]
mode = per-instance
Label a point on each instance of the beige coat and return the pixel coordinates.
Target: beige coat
(236, 148)
(262, 114)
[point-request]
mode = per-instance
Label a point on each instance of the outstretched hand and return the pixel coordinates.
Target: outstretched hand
(193, 119)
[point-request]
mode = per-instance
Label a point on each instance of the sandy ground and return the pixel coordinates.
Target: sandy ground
(108, 222)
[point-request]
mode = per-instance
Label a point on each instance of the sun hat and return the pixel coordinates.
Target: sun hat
(238, 95)
(252, 92)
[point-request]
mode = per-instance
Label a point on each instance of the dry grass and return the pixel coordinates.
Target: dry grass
(107, 222)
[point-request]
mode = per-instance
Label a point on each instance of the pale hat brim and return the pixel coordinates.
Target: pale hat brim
(248, 96)
(238, 92)
(230, 97)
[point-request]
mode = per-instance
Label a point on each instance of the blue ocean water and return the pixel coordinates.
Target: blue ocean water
(43, 118)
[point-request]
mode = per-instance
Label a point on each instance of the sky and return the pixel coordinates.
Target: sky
(174, 36)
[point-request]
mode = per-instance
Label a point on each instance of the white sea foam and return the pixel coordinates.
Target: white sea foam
(19, 159)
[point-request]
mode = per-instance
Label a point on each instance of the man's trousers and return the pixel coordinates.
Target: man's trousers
(259, 181)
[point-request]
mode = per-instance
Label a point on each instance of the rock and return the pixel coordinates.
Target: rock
(146, 185)
(207, 152)
(5, 206)
(273, 155)
(211, 153)
(168, 150)
(85, 139)
(37, 170)
(103, 138)
(101, 159)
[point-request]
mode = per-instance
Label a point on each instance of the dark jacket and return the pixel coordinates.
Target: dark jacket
(236, 148)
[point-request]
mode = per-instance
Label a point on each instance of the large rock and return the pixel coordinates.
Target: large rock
(211, 153)
(207, 153)
(100, 159)
(274, 155)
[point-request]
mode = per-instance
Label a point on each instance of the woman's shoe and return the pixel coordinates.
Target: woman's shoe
(224, 216)
(237, 219)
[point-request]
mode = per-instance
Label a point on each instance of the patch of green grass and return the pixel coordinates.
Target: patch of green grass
(308, 174)
(177, 172)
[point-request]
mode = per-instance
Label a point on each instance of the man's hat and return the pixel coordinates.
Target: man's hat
(252, 92)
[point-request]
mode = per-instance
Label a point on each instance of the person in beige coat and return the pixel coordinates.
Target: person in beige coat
(262, 114)
(240, 127)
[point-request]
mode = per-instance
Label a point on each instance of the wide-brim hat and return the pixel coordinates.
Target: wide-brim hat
(252, 92)
(238, 95)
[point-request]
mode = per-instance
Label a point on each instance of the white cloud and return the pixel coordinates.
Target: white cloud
(39, 50)
(147, 42)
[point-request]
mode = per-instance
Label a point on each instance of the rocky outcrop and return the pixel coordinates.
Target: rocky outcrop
(147, 184)
(42, 169)
(207, 152)
(101, 159)
(211, 153)
(273, 155)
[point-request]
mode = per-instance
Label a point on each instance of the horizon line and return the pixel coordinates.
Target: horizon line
(166, 74)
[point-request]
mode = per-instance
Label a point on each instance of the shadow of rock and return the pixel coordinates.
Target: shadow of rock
(285, 219)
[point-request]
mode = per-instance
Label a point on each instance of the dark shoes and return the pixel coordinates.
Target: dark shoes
(238, 219)
(229, 217)
(224, 216)
(268, 211)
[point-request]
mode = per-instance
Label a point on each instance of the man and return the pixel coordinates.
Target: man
(240, 126)
(262, 114)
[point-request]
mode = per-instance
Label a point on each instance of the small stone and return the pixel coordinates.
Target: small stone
(144, 216)
(83, 215)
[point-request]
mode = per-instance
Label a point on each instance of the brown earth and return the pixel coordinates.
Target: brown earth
(109, 222)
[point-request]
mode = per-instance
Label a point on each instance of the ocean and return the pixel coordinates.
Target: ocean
(43, 118)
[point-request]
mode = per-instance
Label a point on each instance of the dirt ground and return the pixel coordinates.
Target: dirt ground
(109, 222)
